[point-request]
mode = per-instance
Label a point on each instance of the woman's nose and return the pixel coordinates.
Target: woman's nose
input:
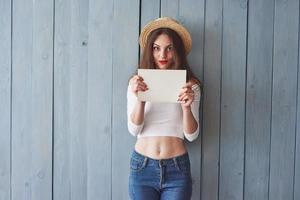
(163, 54)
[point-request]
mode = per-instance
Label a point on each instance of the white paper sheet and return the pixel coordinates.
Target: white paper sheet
(164, 85)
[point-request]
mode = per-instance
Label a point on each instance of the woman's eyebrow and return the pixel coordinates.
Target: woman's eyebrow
(167, 45)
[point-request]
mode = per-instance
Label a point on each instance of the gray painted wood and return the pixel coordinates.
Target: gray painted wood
(32, 70)
(249, 148)
(150, 10)
(71, 39)
(258, 99)
(125, 60)
(233, 100)
(5, 98)
(191, 15)
(99, 123)
(297, 139)
(170, 8)
(62, 127)
(193, 18)
(284, 91)
(78, 98)
(211, 100)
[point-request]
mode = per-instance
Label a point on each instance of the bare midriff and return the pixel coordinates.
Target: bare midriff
(160, 147)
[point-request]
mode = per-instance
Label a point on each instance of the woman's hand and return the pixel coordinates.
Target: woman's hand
(186, 96)
(137, 84)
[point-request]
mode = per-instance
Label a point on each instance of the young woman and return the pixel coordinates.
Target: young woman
(160, 165)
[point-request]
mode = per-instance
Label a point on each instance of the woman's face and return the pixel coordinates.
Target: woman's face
(163, 52)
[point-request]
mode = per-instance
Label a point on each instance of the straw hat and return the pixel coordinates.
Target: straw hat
(166, 22)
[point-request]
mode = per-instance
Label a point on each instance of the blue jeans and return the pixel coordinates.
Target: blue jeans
(166, 179)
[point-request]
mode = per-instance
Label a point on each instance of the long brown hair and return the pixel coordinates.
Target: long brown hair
(180, 59)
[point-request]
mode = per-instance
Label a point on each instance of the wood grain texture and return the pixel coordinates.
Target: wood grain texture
(150, 10)
(32, 70)
(62, 127)
(211, 104)
(100, 80)
(258, 99)
(125, 60)
(70, 156)
(297, 139)
(284, 94)
(5, 98)
(191, 14)
(64, 71)
(297, 136)
(233, 79)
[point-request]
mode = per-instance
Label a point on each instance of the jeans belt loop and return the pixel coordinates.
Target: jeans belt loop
(175, 161)
(145, 161)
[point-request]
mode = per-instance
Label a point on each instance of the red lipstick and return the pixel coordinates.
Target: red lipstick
(163, 62)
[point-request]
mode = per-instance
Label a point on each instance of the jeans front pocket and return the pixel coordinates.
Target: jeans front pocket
(137, 164)
(184, 167)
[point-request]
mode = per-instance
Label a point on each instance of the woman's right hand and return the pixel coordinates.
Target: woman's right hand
(137, 84)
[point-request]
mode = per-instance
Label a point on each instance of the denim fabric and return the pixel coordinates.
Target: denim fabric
(166, 179)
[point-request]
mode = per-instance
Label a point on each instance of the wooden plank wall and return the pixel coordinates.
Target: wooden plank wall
(64, 70)
(258, 110)
(31, 100)
(5, 99)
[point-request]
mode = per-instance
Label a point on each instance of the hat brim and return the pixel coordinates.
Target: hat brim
(166, 23)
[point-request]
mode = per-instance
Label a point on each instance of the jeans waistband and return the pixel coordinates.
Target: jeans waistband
(181, 158)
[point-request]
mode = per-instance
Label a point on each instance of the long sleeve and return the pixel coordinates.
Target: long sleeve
(131, 101)
(195, 110)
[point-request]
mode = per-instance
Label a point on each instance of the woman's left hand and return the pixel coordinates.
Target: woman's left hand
(186, 96)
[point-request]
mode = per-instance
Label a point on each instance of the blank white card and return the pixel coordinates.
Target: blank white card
(164, 85)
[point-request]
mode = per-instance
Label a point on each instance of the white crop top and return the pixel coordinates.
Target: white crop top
(163, 119)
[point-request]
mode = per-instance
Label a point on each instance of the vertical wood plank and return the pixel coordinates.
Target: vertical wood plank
(125, 60)
(32, 69)
(62, 126)
(286, 21)
(233, 100)
(191, 14)
(297, 153)
(5, 98)
(100, 100)
(258, 98)
(76, 100)
(170, 8)
(91, 143)
(78, 97)
(149, 11)
(211, 106)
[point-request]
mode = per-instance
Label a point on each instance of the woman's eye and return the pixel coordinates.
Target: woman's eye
(155, 48)
(169, 48)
